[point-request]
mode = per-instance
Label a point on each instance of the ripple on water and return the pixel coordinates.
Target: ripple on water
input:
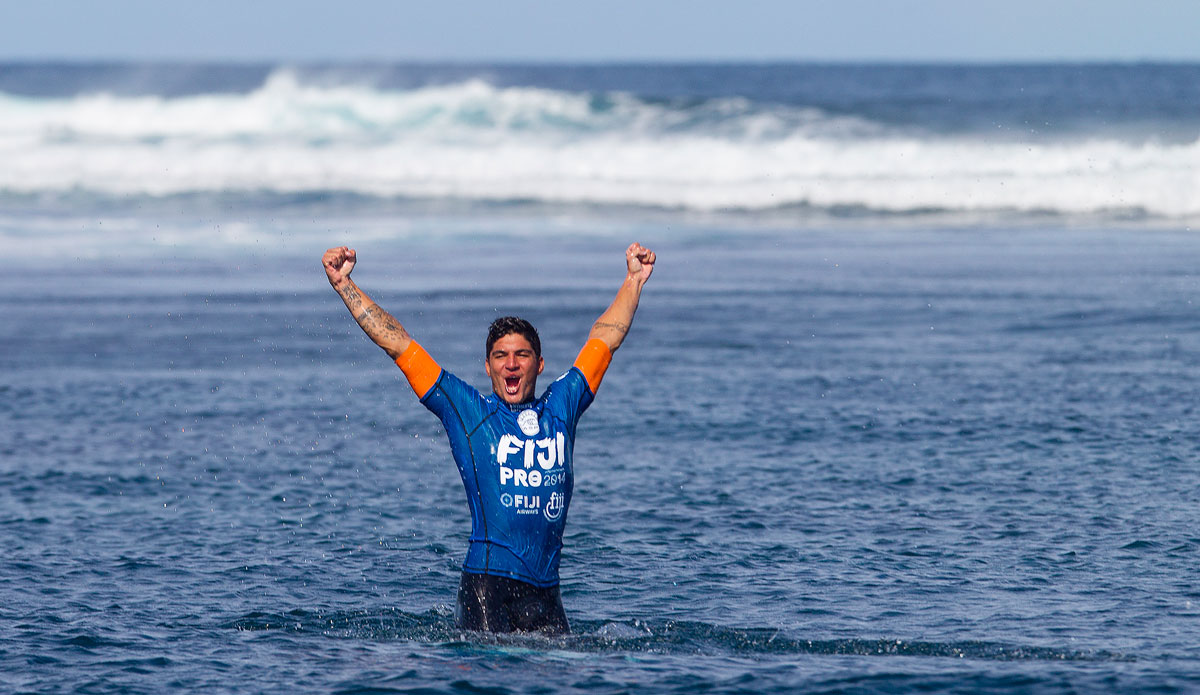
(636, 636)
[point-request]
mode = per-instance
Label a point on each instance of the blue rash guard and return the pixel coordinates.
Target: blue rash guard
(515, 463)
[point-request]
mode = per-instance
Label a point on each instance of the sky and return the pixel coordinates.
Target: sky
(601, 30)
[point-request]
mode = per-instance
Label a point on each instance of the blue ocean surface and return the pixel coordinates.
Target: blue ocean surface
(909, 403)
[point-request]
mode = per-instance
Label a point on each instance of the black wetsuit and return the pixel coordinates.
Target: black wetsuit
(499, 604)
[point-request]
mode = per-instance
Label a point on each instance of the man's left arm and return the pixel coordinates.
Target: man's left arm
(609, 331)
(613, 325)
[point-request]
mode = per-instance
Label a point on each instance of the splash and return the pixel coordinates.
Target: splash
(660, 637)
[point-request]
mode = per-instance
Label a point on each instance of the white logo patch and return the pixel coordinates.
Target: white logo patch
(528, 422)
(554, 508)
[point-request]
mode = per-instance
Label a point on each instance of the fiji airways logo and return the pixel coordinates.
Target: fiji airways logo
(554, 507)
(529, 504)
(523, 504)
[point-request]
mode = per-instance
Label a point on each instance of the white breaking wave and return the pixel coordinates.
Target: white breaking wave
(476, 142)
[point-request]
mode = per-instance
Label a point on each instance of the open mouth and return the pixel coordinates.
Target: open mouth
(511, 384)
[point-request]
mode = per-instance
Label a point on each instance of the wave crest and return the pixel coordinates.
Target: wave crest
(473, 141)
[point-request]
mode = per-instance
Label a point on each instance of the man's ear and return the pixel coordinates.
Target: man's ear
(541, 364)
(487, 368)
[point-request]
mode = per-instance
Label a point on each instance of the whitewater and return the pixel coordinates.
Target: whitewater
(471, 141)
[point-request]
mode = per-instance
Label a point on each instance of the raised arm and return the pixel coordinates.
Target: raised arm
(613, 324)
(379, 325)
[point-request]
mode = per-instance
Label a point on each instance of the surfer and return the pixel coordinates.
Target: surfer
(513, 450)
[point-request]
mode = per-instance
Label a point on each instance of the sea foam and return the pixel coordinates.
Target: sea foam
(473, 141)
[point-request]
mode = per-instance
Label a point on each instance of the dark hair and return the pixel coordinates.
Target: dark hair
(507, 325)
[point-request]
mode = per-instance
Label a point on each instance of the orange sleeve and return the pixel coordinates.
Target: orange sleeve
(593, 362)
(419, 367)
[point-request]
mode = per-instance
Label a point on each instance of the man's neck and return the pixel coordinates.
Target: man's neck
(517, 407)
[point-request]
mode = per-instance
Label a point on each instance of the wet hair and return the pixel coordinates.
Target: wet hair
(507, 325)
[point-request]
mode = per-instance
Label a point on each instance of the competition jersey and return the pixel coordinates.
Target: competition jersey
(515, 460)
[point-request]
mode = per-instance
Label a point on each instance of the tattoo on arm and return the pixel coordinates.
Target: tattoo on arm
(378, 323)
(623, 328)
(350, 294)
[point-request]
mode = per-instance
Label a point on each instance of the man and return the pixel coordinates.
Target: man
(513, 451)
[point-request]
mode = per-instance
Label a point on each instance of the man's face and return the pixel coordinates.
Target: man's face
(513, 368)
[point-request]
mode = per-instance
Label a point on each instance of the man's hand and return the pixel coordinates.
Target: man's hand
(640, 261)
(338, 262)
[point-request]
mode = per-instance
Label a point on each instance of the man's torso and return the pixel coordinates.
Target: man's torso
(515, 464)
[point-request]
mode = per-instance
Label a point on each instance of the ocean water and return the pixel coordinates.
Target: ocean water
(908, 404)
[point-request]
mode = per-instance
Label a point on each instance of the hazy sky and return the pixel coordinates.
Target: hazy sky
(604, 30)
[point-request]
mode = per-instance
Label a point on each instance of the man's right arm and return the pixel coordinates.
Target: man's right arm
(380, 326)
